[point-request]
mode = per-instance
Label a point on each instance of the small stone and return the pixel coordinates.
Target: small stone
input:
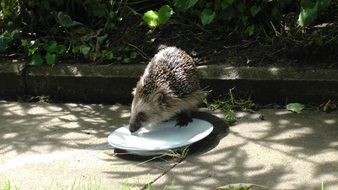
(261, 117)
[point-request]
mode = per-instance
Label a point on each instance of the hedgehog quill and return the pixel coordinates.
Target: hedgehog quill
(169, 87)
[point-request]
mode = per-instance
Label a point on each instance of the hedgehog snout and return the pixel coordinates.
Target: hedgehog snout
(134, 126)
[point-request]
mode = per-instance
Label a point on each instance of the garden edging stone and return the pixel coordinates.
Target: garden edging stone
(114, 83)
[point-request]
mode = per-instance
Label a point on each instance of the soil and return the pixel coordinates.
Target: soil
(209, 46)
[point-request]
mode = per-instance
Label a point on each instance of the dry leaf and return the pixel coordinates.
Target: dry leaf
(329, 106)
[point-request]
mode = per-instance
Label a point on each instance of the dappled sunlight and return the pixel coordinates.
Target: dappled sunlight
(283, 151)
(125, 115)
(283, 112)
(274, 70)
(41, 127)
(283, 122)
(330, 121)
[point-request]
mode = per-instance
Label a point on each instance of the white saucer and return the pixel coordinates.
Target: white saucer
(160, 138)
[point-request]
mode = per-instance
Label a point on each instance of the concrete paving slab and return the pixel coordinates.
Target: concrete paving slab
(54, 146)
(284, 151)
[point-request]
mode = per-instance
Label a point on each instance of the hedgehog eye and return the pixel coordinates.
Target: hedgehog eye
(161, 99)
(141, 116)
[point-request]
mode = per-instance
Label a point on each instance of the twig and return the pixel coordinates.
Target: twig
(144, 55)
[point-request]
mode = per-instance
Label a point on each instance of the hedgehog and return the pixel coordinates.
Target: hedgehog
(169, 87)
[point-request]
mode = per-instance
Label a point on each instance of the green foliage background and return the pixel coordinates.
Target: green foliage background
(90, 30)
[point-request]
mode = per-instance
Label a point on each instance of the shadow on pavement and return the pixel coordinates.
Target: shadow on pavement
(42, 127)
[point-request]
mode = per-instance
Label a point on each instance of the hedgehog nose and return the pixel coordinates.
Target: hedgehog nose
(134, 127)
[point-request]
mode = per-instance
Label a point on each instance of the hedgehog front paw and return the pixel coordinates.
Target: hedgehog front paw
(183, 119)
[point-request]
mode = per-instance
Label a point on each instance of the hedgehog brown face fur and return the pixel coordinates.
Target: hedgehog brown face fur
(168, 87)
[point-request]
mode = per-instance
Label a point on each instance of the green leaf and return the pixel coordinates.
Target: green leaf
(295, 107)
(207, 16)
(254, 10)
(108, 55)
(24, 43)
(250, 30)
(32, 50)
(66, 20)
(36, 60)
(164, 14)
(151, 18)
(133, 55)
(51, 47)
(310, 10)
(226, 3)
(184, 4)
(50, 58)
(307, 15)
(126, 60)
(84, 50)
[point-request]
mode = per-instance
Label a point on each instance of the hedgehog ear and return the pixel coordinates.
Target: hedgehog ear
(133, 92)
(161, 99)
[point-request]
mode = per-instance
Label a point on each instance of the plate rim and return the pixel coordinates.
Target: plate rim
(207, 132)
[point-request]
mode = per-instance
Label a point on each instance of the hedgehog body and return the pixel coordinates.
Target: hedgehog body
(169, 86)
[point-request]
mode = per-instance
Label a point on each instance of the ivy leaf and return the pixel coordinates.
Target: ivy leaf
(207, 16)
(151, 18)
(84, 50)
(126, 60)
(133, 55)
(164, 14)
(6, 39)
(254, 10)
(36, 60)
(226, 3)
(108, 55)
(184, 4)
(50, 58)
(295, 107)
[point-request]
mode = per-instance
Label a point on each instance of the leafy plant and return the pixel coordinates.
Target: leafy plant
(6, 39)
(230, 103)
(93, 30)
(41, 53)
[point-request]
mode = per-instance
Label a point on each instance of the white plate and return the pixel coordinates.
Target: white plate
(160, 138)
